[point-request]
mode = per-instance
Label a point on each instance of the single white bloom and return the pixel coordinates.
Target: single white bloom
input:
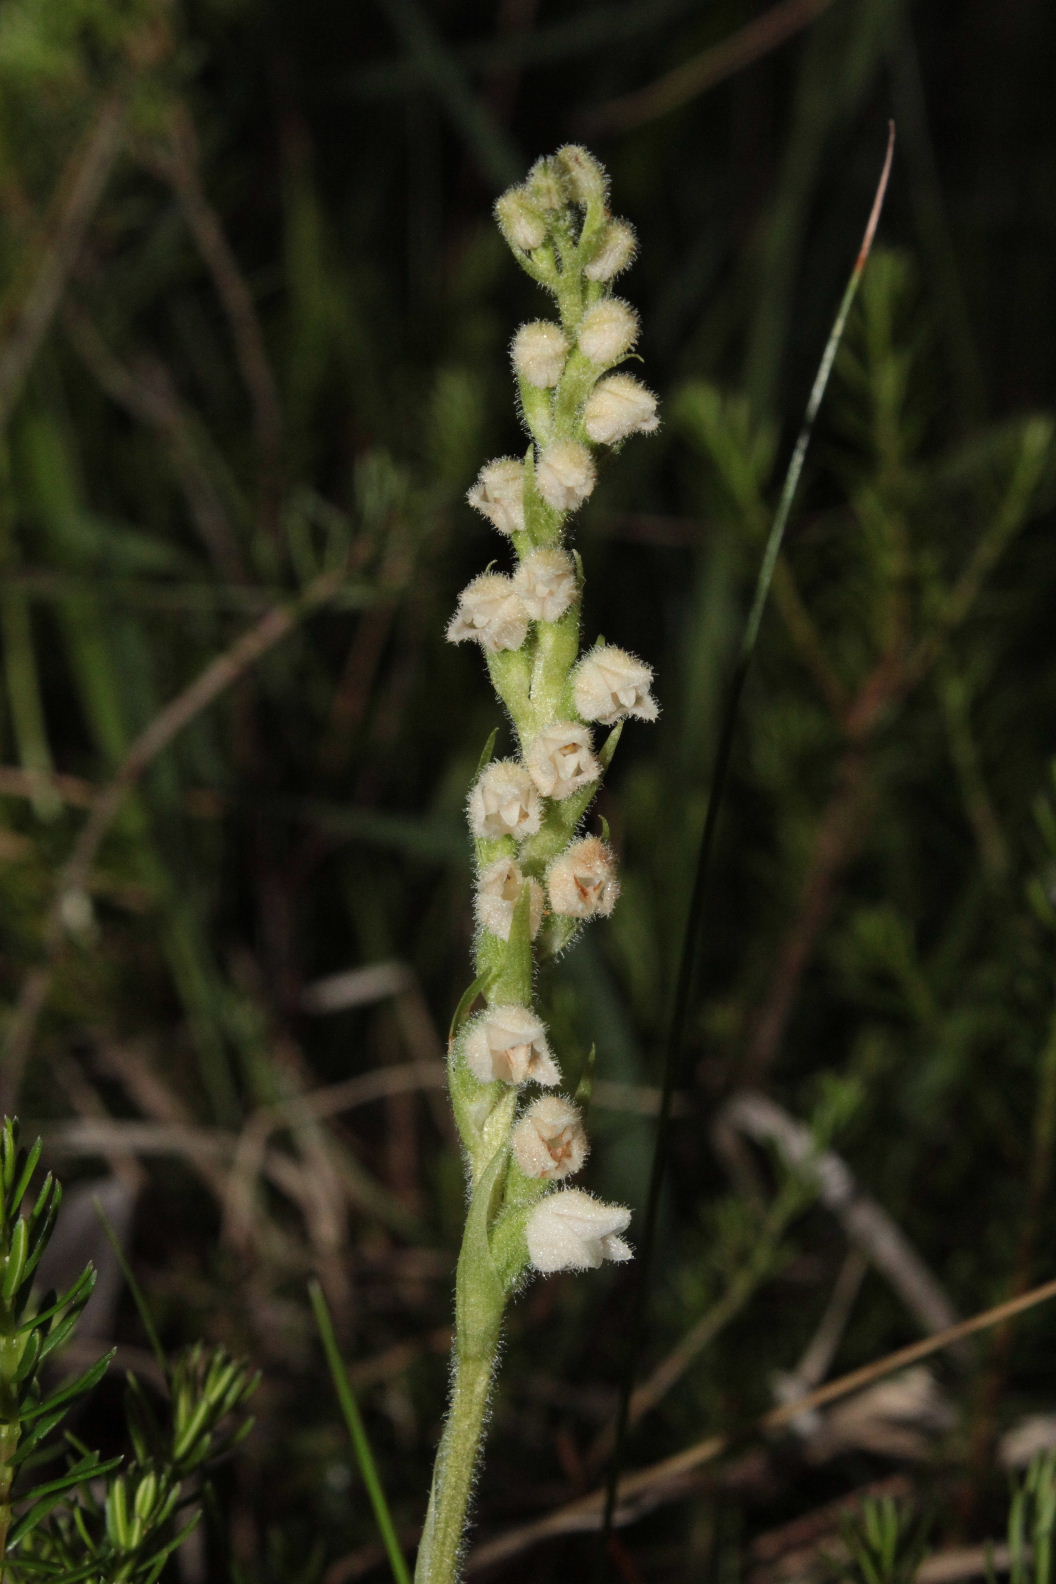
(608, 684)
(504, 801)
(550, 1141)
(582, 882)
(545, 583)
(617, 407)
(498, 494)
(508, 1043)
(615, 252)
(499, 889)
(539, 353)
(490, 613)
(565, 475)
(518, 220)
(570, 1230)
(559, 760)
(608, 331)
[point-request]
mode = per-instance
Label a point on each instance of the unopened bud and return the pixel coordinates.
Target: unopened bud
(539, 353)
(617, 407)
(559, 760)
(550, 1141)
(498, 494)
(565, 475)
(586, 177)
(519, 221)
(582, 883)
(615, 252)
(609, 684)
(499, 889)
(545, 583)
(508, 1044)
(504, 801)
(608, 331)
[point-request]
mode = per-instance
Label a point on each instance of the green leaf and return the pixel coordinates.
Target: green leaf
(358, 1434)
(76, 1388)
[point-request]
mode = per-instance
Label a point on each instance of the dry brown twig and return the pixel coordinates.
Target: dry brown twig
(672, 1477)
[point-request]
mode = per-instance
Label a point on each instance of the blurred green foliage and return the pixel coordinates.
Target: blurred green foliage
(252, 337)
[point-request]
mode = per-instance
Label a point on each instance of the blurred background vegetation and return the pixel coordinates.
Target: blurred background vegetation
(253, 335)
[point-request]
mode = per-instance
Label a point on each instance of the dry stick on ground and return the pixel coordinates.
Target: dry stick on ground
(865, 1222)
(80, 189)
(210, 683)
(669, 1479)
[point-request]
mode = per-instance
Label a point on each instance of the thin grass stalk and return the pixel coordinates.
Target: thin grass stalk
(697, 911)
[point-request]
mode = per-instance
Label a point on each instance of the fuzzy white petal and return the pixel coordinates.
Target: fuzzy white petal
(619, 406)
(608, 684)
(489, 613)
(499, 889)
(582, 882)
(569, 1230)
(565, 475)
(560, 761)
(498, 494)
(508, 1044)
(504, 801)
(545, 584)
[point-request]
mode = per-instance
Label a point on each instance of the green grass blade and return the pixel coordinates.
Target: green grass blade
(357, 1434)
(675, 1060)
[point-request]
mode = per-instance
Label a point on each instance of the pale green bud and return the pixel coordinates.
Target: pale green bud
(520, 221)
(615, 252)
(608, 331)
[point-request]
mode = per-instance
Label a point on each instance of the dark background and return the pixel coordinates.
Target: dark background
(255, 326)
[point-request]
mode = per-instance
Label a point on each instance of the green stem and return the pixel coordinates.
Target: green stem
(456, 1463)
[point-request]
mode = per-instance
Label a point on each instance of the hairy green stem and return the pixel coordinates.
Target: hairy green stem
(456, 1463)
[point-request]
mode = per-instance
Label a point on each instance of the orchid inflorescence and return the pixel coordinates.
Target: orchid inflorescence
(524, 812)
(539, 880)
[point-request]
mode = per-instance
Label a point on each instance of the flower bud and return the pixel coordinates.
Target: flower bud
(489, 613)
(615, 252)
(550, 1141)
(586, 177)
(520, 223)
(617, 407)
(499, 888)
(565, 475)
(504, 802)
(608, 331)
(546, 186)
(582, 882)
(498, 494)
(570, 1230)
(559, 760)
(508, 1044)
(545, 583)
(609, 684)
(539, 353)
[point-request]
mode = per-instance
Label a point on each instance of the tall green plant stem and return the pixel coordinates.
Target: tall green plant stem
(456, 1463)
